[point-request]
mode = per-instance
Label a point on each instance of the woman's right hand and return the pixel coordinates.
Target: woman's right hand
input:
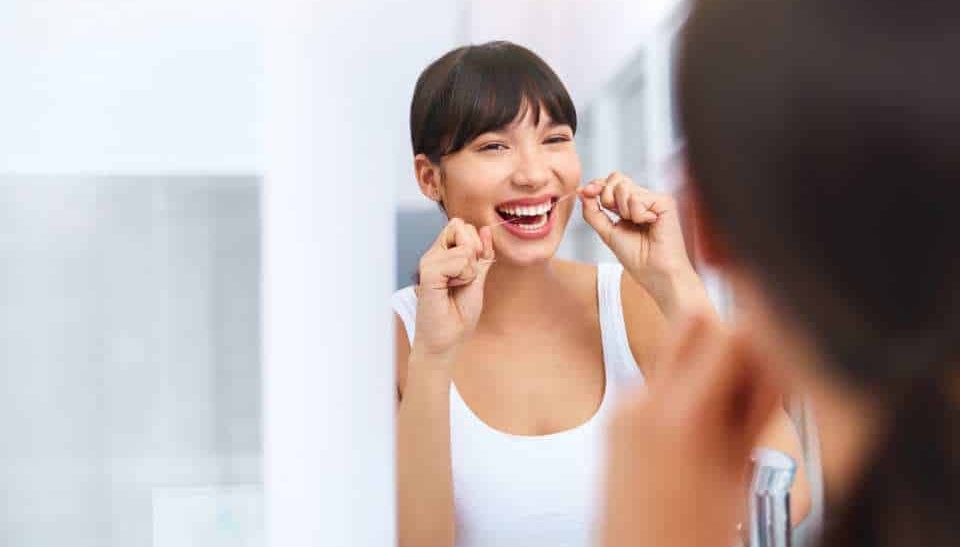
(450, 295)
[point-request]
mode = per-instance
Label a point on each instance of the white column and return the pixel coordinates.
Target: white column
(333, 111)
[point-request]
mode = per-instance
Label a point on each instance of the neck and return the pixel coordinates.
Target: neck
(515, 293)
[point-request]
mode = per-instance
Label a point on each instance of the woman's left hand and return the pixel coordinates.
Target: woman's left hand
(647, 239)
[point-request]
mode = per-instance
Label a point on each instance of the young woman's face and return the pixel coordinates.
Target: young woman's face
(518, 172)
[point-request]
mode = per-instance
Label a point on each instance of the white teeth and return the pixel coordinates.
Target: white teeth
(535, 226)
(528, 211)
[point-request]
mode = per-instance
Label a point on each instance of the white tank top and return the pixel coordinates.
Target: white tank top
(534, 491)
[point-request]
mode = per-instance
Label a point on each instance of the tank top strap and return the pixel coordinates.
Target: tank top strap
(617, 356)
(404, 303)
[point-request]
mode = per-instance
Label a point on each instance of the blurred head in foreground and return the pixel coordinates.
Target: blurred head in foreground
(824, 159)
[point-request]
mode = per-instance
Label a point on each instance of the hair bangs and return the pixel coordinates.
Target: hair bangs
(486, 88)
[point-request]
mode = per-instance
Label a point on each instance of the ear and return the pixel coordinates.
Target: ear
(708, 247)
(428, 177)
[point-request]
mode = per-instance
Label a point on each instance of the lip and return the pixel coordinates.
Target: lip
(539, 233)
(527, 202)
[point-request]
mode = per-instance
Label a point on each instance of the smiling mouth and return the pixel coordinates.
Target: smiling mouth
(528, 217)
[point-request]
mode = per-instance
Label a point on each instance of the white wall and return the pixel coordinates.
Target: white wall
(340, 77)
(129, 291)
(129, 319)
(434, 27)
(585, 42)
(129, 86)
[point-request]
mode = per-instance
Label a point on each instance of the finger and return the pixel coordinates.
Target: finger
(607, 197)
(468, 271)
(438, 268)
(592, 189)
(596, 218)
(486, 244)
(639, 211)
(659, 203)
(614, 177)
(487, 257)
(465, 235)
(471, 235)
(621, 194)
(448, 236)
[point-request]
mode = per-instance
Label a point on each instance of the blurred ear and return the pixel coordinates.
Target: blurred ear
(707, 245)
(428, 177)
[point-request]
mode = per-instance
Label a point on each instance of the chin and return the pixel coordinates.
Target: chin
(527, 253)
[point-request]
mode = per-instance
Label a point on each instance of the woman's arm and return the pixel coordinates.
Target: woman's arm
(424, 474)
(449, 301)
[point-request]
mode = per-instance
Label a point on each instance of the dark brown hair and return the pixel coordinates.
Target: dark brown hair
(823, 139)
(480, 88)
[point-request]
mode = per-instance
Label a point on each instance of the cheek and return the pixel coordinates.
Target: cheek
(468, 195)
(568, 168)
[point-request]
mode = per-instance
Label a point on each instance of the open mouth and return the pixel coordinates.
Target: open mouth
(527, 217)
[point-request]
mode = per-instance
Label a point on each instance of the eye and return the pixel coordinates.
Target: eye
(493, 146)
(554, 139)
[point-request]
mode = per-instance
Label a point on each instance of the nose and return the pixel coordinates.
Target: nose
(532, 170)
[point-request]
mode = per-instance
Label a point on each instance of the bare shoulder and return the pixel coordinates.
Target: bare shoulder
(645, 323)
(401, 353)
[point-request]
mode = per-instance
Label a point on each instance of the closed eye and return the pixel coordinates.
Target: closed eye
(493, 146)
(554, 139)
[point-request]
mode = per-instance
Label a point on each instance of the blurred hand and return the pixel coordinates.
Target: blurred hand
(450, 295)
(647, 239)
(679, 450)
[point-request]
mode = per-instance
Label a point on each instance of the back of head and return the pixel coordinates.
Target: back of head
(823, 140)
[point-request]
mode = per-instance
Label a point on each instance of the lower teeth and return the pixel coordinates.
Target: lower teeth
(535, 225)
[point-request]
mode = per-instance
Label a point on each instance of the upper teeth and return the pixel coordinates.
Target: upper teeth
(528, 211)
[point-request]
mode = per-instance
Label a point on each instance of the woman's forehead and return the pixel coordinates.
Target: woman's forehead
(531, 118)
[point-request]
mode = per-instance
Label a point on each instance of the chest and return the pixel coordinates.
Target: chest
(533, 383)
(513, 491)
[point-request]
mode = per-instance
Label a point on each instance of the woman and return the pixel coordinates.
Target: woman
(823, 159)
(508, 359)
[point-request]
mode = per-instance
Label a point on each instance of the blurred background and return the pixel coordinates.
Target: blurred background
(133, 153)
